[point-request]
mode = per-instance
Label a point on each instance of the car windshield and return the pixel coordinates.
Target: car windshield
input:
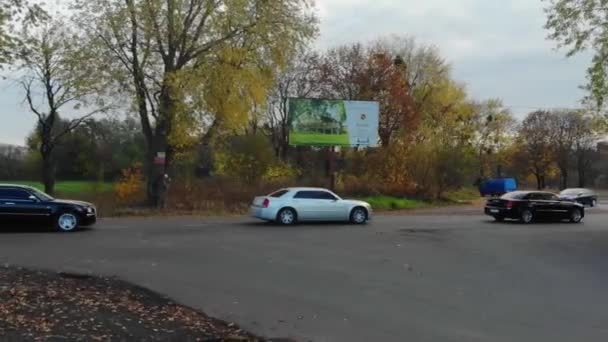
(41, 195)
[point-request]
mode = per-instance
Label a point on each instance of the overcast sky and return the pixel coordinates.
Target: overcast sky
(496, 47)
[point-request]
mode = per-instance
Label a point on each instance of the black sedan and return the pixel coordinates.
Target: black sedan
(23, 204)
(528, 206)
(582, 196)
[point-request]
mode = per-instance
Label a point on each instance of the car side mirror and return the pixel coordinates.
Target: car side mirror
(33, 198)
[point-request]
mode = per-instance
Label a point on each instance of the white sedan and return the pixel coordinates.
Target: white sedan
(292, 205)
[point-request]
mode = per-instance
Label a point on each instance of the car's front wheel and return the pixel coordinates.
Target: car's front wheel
(287, 217)
(358, 216)
(526, 216)
(576, 216)
(66, 222)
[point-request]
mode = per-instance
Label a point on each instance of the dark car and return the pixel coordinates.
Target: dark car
(583, 196)
(527, 206)
(23, 204)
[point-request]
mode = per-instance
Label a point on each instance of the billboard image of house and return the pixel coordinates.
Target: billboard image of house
(315, 122)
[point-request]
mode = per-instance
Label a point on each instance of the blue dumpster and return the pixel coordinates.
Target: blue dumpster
(497, 187)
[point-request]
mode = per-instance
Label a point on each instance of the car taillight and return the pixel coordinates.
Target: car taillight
(509, 204)
(266, 203)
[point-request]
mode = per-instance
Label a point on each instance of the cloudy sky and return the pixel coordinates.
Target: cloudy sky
(496, 47)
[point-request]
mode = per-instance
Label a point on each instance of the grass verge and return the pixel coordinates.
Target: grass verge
(394, 203)
(70, 187)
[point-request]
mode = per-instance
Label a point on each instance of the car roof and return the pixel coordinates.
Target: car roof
(527, 192)
(577, 189)
(16, 186)
(307, 189)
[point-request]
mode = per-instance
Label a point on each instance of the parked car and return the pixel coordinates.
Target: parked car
(497, 187)
(23, 204)
(292, 205)
(528, 206)
(583, 196)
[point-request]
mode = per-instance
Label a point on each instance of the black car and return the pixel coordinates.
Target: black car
(23, 204)
(527, 206)
(583, 196)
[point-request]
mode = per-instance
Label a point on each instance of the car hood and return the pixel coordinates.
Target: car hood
(71, 202)
(355, 202)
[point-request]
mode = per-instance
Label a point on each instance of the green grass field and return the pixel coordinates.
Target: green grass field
(319, 139)
(70, 187)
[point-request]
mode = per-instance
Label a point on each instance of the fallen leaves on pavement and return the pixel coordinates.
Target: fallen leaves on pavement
(41, 306)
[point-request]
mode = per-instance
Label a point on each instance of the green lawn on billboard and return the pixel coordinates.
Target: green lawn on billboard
(319, 139)
(318, 122)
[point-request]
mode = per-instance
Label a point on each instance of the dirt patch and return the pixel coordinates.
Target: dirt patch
(46, 306)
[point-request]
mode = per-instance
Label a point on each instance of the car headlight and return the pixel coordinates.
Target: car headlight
(90, 210)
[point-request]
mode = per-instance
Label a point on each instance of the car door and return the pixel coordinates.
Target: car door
(306, 204)
(333, 208)
(551, 207)
(537, 202)
(21, 205)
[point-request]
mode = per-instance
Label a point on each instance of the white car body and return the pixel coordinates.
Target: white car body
(332, 208)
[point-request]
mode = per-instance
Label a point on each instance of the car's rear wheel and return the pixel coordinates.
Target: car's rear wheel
(287, 217)
(526, 216)
(576, 215)
(358, 216)
(499, 218)
(66, 222)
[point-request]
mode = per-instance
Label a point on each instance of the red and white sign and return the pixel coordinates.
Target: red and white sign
(160, 159)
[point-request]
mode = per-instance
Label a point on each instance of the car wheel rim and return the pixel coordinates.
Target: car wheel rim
(359, 216)
(287, 217)
(527, 216)
(67, 222)
(576, 216)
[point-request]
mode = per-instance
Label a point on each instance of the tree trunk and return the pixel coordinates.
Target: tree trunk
(48, 171)
(158, 180)
(581, 171)
(538, 181)
(563, 178)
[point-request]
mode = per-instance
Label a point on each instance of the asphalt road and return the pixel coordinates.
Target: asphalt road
(433, 276)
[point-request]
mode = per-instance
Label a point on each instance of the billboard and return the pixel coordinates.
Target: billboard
(316, 122)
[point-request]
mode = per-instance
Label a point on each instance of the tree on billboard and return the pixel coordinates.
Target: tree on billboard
(193, 66)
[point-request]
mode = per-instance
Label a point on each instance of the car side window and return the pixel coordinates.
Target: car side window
(14, 194)
(305, 195)
(324, 195)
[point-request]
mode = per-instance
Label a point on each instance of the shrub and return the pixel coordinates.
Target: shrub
(247, 158)
(130, 188)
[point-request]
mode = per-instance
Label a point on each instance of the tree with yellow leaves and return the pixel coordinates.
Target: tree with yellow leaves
(191, 66)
